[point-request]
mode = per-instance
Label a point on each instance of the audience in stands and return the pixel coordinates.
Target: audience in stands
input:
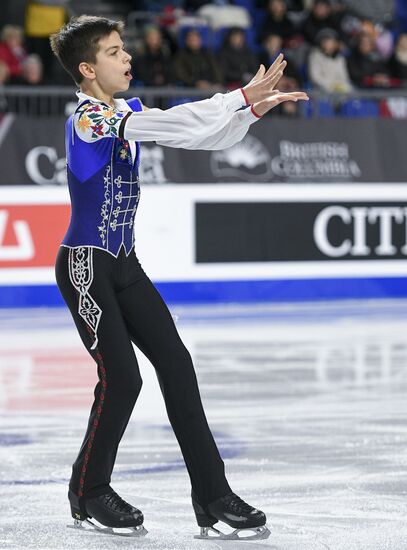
(347, 23)
(195, 66)
(330, 45)
(224, 15)
(320, 17)
(155, 5)
(12, 50)
(367, 68)
(382, 37)
(32, 72)
(381, 11)
(278, 22)
(237, 61)
(4, 73)
(291, 79)
(272, 47)
(153, 59)
(398, 61)
(327, 64)
(41, 20)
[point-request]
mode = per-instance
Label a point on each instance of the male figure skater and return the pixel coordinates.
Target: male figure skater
(111, 299)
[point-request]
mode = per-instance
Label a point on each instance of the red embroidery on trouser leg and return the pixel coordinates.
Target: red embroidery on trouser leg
(102, 378)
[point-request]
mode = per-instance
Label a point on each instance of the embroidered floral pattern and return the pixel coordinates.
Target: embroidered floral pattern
(84, 123)
(98, 121)
(122, 151)
(81, 276)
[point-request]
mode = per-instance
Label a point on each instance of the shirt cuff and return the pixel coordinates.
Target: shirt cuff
(248, 116)
(256, 115)
(235, 100)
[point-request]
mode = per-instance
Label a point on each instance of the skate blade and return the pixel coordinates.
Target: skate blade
(87, 525)
(259, 533)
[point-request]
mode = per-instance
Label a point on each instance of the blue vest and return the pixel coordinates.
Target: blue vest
(104, 189)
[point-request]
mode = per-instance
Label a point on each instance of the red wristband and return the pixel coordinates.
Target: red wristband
(254, 112)
(245, 97)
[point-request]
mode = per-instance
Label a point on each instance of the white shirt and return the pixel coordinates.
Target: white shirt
(208, 124)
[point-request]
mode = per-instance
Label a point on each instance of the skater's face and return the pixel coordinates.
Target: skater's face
(112, 69)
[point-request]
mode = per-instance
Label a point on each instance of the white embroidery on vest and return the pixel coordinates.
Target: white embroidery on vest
(105, 209)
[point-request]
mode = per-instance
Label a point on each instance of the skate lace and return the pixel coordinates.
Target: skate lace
(236, 504)
(114, 501)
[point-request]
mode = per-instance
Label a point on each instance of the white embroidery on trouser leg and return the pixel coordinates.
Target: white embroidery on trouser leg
(81, 275)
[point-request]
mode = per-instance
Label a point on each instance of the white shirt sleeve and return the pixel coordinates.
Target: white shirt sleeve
(208, 124)
(232, 132)
(191, 125)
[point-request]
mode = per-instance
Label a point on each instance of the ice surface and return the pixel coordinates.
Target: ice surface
(307, 404)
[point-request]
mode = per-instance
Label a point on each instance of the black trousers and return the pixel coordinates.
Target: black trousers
(113, 303)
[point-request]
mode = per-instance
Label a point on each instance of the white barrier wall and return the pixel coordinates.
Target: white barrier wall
(246, 234)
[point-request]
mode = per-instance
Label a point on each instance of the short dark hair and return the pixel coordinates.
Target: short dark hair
(78, 41)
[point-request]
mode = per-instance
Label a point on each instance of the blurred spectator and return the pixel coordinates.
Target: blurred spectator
(366, 67)
(382, 37)
(321, 17)
(347, 23)
(237, 61)
(12, 51)
(4, 73)
(272, 47)
(152, 67)
(295, 5)
(290, 81)
(277, 22)
(42, 18)
(194, 66)
(327, 65)
(33, 70)
(398, 61)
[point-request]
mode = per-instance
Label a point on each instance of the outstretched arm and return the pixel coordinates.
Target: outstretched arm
(181, 124)
(226, 136)
(206, 124)
(184, 125)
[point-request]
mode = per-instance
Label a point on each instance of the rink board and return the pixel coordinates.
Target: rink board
(226, 243)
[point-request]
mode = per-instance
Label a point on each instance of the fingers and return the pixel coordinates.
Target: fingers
(295, 96)
(292, 96)
(275, 66)
(260, 72)
(271, 74)
(272, 81)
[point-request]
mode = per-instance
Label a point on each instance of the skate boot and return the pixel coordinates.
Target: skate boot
(111, 514)
(248, 522)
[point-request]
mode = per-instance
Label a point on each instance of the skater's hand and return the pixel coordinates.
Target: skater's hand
(264, 82)
(275, 98)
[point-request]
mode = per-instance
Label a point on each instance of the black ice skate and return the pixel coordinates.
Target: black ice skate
(232, 510)
(111, 514)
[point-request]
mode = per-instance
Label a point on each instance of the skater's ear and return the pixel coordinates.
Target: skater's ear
(87, 70)
(146, 108)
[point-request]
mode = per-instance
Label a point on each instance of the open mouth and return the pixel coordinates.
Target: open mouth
(128, 75)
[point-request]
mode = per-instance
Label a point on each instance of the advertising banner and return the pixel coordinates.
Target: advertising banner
(226, 243)
(276, 150)
(31, 234)
(300, 232)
